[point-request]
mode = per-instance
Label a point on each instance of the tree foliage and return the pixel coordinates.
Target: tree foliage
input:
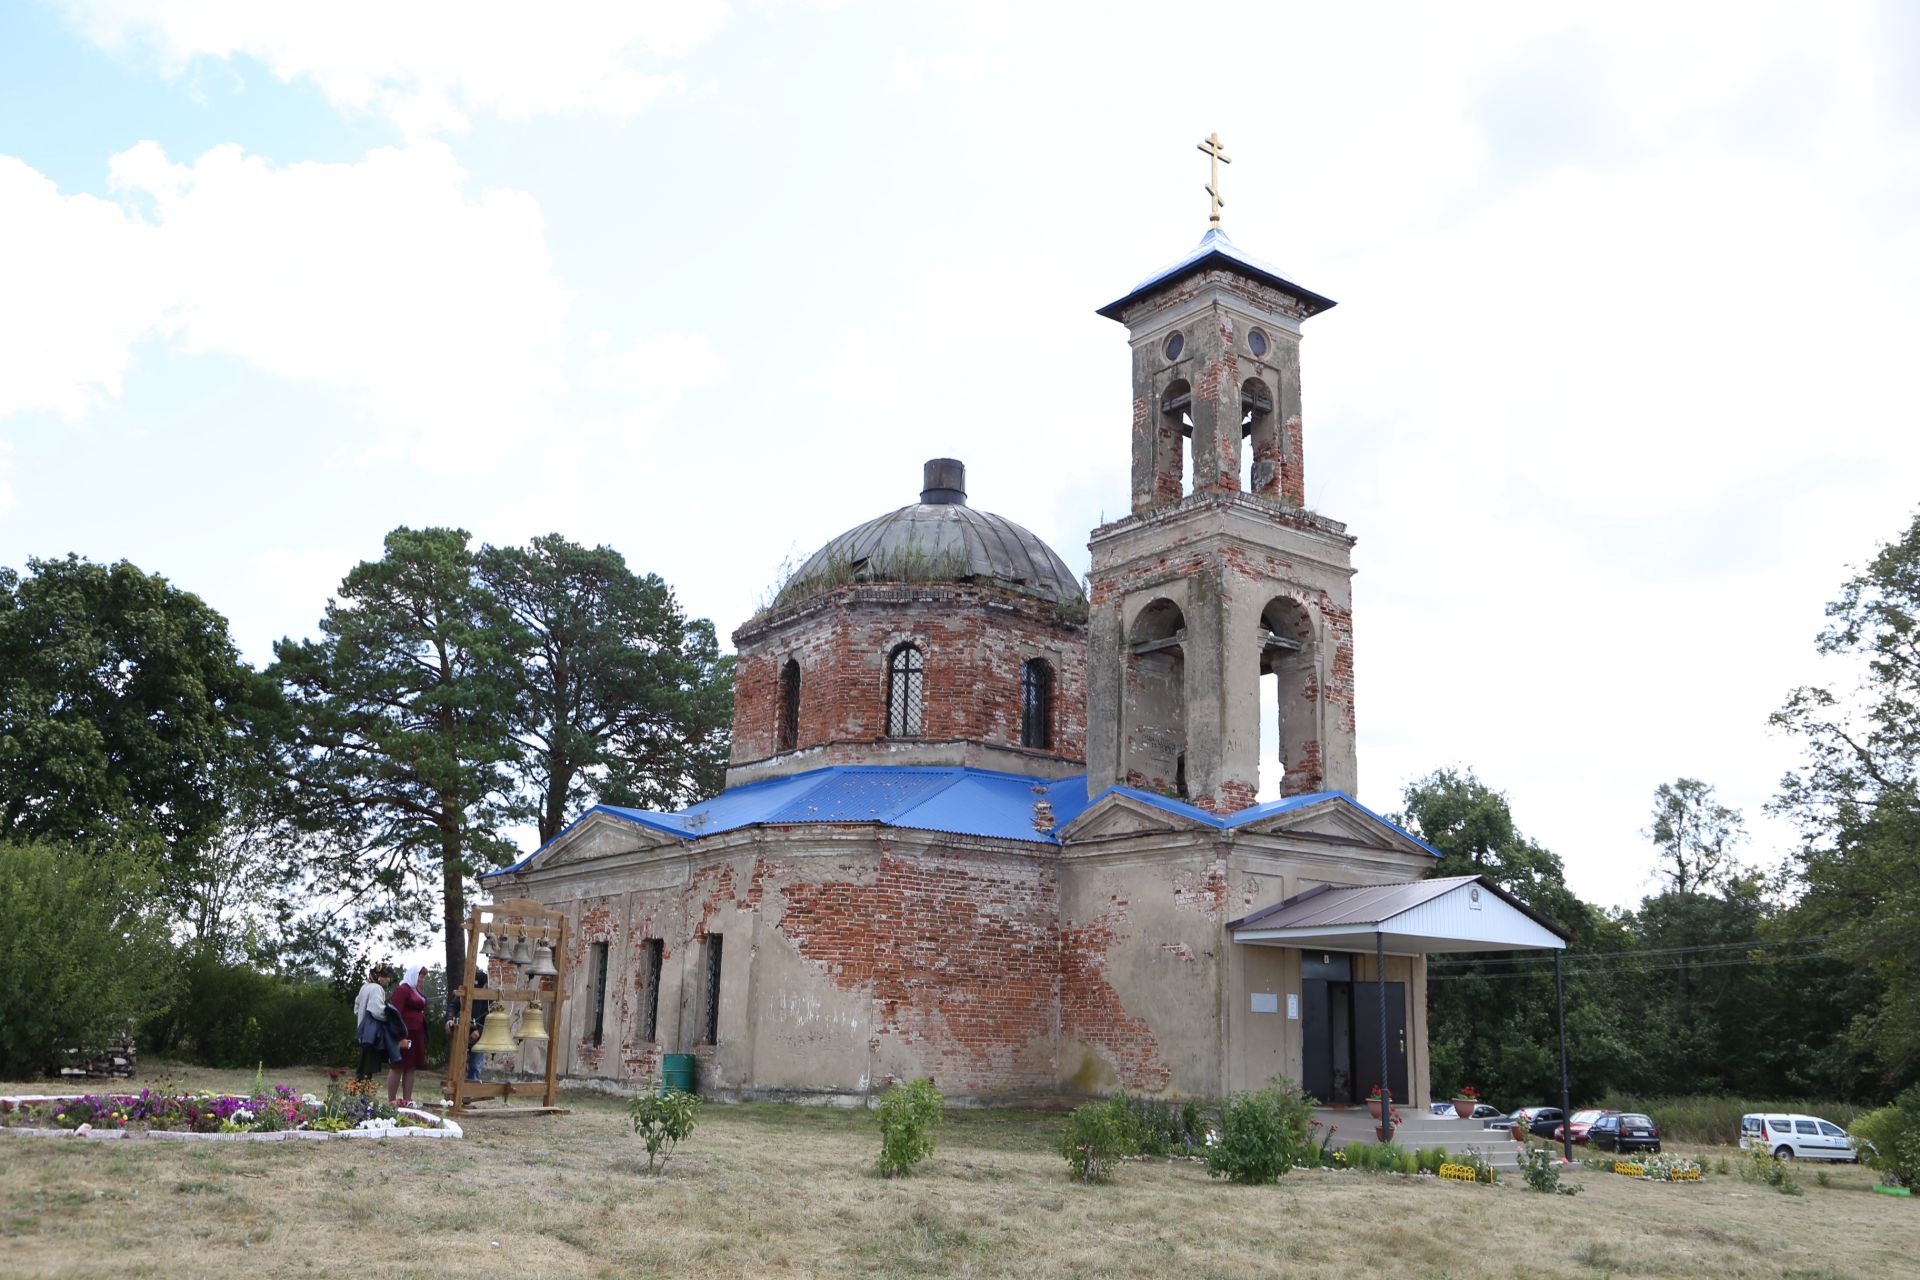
(126, 715)
(84, 951)
(402, 710)
(1695, 834)
(1857, 796)
(616, 692)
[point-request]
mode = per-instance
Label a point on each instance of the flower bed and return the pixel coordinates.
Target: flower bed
(350, 1110)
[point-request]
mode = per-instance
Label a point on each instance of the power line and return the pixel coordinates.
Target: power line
(1625, 970)
(1589, 958)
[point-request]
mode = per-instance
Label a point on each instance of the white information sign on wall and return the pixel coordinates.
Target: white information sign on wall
(1266, 1002)
(1293, 1006)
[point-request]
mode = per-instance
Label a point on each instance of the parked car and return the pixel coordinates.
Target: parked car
(1579, 1122)
(1440, 1108)
(1791, 1137)
(1624, 1131)
(1540, 1120)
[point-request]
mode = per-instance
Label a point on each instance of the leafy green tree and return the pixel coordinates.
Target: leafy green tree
(617, 694)
(84, 951)
(403, 709)
(1695, 834)
(1493, 1020)
(1857, 797)
(126, 715)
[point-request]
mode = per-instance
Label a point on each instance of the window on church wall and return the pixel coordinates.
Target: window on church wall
(1287, 700)
(906, 692)
(1260, 441)
(1036, 704)
(597, 1025)
(652, 956)
(1155, 701)
(788, 714)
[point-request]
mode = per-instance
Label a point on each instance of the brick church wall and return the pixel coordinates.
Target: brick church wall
(973, 644)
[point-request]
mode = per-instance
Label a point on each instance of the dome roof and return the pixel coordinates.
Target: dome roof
(937, 539)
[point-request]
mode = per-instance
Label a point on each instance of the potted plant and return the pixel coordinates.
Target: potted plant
(1373, 1101)
(1465, 1099)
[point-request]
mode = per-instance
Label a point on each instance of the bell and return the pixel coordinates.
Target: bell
(542, 966)
(490, 945)
(522, 951)
(533, 1025)
(494, 1035)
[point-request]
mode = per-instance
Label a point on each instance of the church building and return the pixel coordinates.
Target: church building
(983, 826)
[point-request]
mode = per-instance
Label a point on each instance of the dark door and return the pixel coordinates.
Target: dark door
(1316, 1064)
(1366, 1038)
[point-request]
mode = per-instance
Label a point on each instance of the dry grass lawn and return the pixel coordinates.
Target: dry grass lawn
(789, 1191)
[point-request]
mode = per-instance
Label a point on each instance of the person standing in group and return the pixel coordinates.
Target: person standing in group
(369, 1022)
(412, 1008)
(480, 1008)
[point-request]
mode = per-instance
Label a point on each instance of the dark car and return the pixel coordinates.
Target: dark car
(1624, 1131)
(1540, 1120)
(1578, 1123)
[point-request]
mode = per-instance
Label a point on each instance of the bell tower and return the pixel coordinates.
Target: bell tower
(1219, 578)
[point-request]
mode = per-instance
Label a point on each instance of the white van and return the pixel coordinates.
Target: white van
(1796, 1136)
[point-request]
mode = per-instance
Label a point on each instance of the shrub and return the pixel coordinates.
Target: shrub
(227, 1015)
(1262, 1135)
(1667, 1167)
(1541, 1169)
(1096, 1136)
(908, 1116)
(1760, 1166)
(1160, 1128)
(83, 953)
(663, 1120)
(1431, 1158)
(1889, 1139)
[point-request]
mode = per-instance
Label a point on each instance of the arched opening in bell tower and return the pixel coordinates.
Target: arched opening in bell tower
(1155, 700)
(1260, 439)
(1174, 469)
(1290, 759)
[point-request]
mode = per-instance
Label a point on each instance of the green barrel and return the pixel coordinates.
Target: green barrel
(676, 1072)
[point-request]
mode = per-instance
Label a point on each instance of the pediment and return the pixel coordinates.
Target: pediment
(1120, 815)
(597, 835)
(1338, 821)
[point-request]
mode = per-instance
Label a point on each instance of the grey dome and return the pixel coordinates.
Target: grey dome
(938, 539)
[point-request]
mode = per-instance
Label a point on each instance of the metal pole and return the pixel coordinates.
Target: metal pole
(1566, 1097)
(1386, 1074)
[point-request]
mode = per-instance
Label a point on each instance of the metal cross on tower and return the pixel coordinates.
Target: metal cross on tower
(1219, 157)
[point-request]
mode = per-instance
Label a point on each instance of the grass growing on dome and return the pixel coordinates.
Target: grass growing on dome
(833, 568)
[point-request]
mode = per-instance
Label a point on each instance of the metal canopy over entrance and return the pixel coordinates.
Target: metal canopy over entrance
(1414, 918)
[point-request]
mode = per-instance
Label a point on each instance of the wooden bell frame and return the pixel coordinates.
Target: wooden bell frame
(514, 914)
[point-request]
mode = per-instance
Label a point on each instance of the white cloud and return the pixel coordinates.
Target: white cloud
(6, 471)
(78, 284)
(426, 64)
(436, 305)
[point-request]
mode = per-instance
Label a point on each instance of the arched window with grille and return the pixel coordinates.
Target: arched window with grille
(906, 690)
(1036, 704)
(789, 711)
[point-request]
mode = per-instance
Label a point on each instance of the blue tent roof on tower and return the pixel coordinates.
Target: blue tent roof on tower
(1213, 250)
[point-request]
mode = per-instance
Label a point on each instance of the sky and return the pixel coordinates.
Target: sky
(1615, 397)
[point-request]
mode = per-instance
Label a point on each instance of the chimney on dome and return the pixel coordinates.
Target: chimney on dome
(944, 481)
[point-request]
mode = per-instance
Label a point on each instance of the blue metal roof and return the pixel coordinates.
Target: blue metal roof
(1215, 249)
(958, 801)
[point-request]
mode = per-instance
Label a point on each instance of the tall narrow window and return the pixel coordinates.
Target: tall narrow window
(1036, 704)
(789, 712)
(650, 959)
(710, 1024)
(906, 685)
(597, 1031)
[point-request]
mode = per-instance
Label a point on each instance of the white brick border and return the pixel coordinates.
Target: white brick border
(445, 1126)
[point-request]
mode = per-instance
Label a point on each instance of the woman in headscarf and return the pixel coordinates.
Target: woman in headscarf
(412, 1008)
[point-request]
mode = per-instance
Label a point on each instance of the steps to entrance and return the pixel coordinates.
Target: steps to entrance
(1419, 1130)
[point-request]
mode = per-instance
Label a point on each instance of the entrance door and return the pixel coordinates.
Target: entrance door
(1366, 1037)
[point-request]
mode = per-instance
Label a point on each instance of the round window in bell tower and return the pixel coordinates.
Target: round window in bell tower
(1257, 341)
(1175, 344)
